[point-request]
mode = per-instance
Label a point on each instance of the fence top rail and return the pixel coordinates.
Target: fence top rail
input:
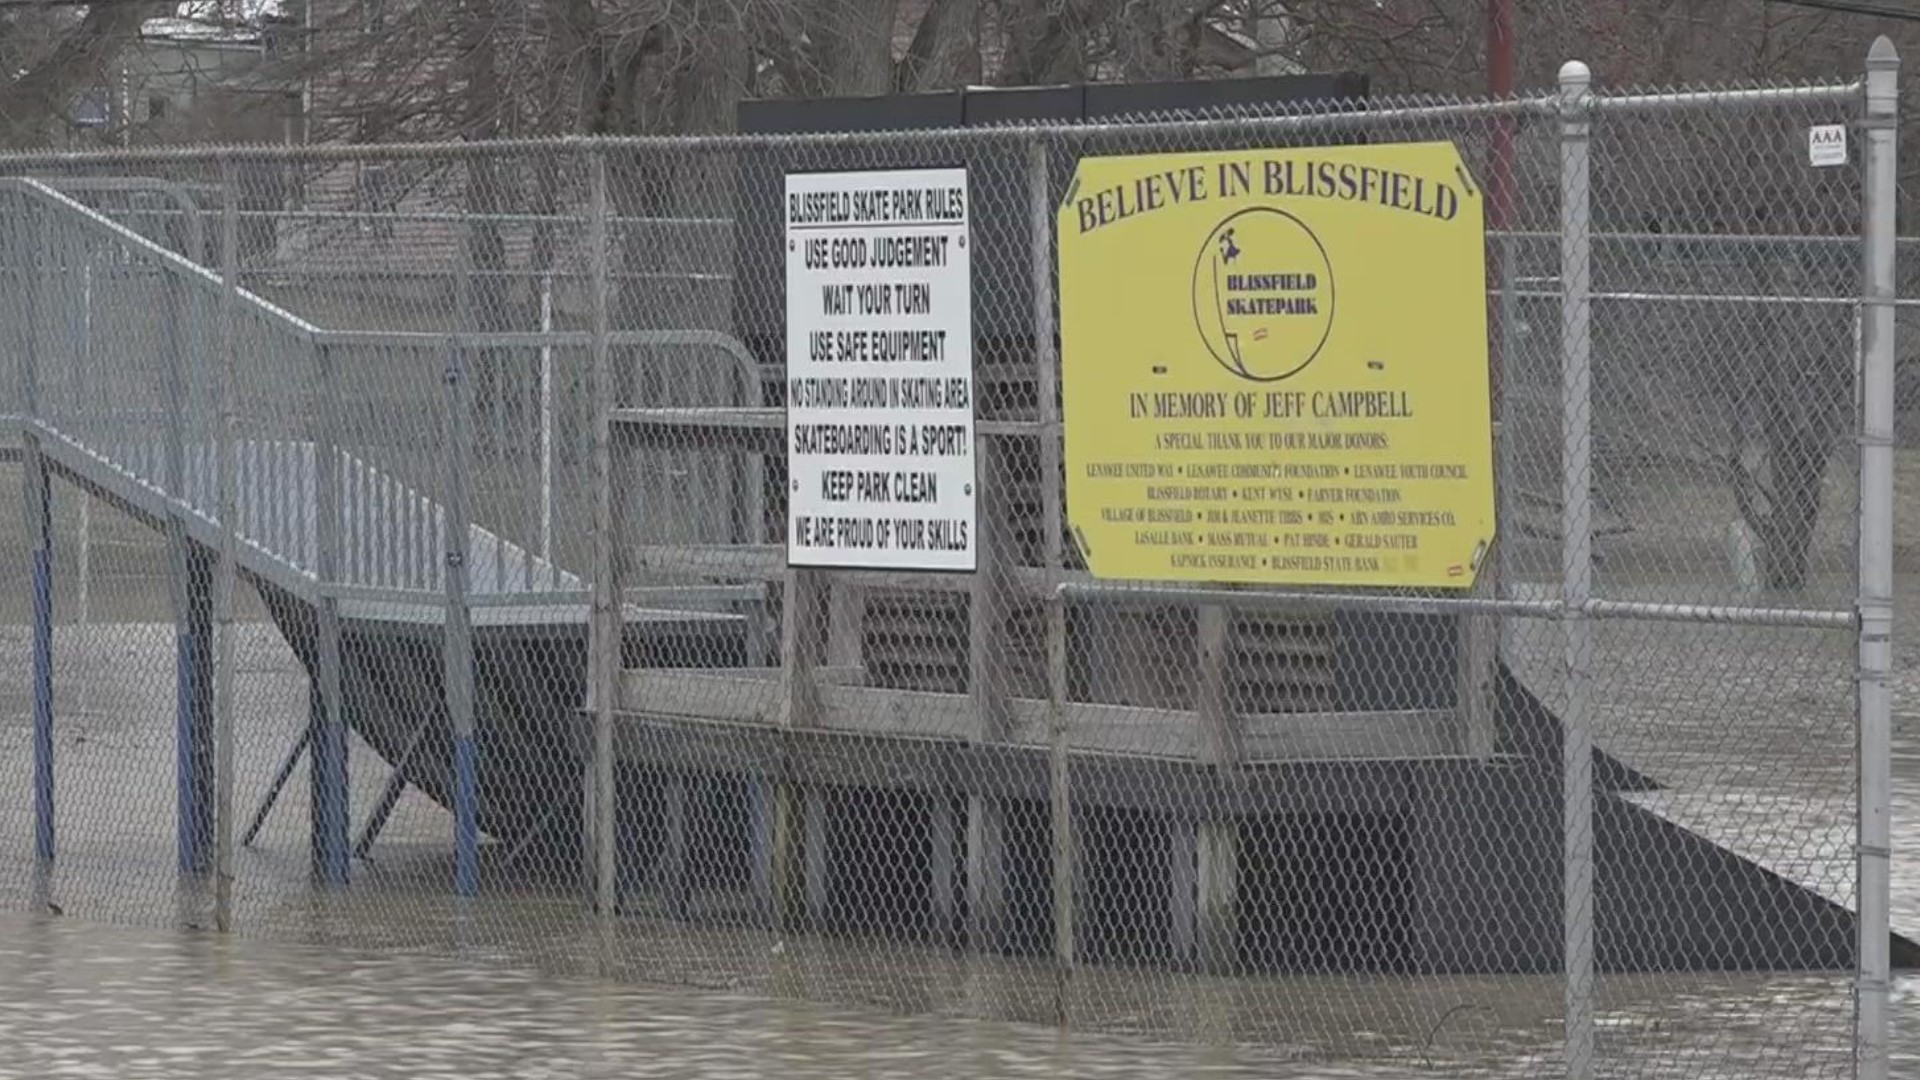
(1326, 114)
(1756, 96)
(463, 217)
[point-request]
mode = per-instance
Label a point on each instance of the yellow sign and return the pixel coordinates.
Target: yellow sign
(1275, 366)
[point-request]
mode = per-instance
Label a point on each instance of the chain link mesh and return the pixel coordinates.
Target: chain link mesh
(1331, 822)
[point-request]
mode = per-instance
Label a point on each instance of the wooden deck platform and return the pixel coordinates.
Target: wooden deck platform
(758, 697)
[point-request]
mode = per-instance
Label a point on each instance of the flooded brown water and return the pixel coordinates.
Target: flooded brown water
(83, 999)
(393, 977)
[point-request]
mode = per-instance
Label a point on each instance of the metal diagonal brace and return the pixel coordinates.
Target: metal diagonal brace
(280, 778)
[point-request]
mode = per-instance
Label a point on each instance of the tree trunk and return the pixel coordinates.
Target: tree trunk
(852, 46)
(1787, 415)
(945, 50)
(1044, 43)
(685, 81)
(490, 193)
(1155, 40)
(1780, 473)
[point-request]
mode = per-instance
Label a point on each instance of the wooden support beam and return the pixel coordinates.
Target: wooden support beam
(1220, 735)
(987, 677)
(786, 869)
(1217, 881)
(846, 625)
(1479, 655)
(986, 873)
(1217, 841)
(775, 845)
(992, 713)
(817, 825)
(1183, 912)
(800, 640)
(943, 837)
(674, 893)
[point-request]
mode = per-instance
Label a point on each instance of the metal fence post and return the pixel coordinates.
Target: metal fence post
(83, 367)
(1875, 600)
(457, 641)
(328, 734)
(1505, 477)
(1576, 464)
(604, 644)
(545, 402)
(1046, 379)
(225, 575)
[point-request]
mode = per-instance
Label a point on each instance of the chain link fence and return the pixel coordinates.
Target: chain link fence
(403, 565)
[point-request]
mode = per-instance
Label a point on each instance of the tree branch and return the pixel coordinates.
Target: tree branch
(78, 61)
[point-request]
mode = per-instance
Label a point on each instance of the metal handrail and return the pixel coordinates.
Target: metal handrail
(188, 270)
(196, 231)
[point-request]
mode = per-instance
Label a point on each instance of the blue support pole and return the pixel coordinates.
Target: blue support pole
(329, 808)
(327, 718)
(466, 814)
(39, 507)
(186, 806)
(43, 837)
(192, 597)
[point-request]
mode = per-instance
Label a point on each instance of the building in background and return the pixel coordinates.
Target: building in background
(201, 76)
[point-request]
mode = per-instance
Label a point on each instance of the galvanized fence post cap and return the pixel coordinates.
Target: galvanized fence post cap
(1575, 77)
(1883, 82)
(1881, 55)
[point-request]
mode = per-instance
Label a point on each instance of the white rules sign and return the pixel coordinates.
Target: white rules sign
(880, 444)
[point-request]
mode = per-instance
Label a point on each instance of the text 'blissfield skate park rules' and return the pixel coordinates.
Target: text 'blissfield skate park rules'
(880, 431)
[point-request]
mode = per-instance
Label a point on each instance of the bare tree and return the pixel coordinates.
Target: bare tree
(484, 68)
(51, 53)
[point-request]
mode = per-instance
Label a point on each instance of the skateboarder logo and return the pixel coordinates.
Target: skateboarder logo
(1263, 294)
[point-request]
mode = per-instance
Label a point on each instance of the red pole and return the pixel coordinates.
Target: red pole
(1499, 47)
